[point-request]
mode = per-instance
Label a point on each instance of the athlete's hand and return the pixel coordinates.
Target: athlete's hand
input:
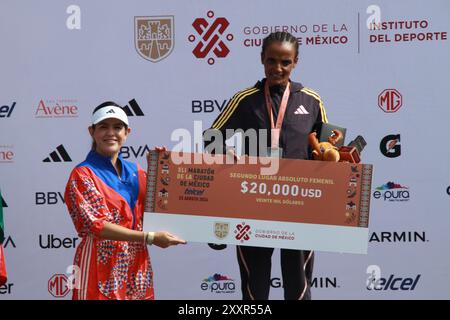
(232, 153)
(164, 239)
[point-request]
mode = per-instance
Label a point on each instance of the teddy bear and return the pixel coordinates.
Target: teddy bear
(325, 151)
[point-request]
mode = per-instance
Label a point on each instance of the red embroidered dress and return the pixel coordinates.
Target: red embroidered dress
(94, 194)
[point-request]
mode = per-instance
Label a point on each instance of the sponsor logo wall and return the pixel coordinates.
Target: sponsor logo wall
(381, 70)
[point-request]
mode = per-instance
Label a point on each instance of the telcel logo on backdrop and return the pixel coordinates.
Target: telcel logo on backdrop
(393, 282)
(154, 37)
(57, 108)
(211, 38)
(390, 100)
(392, 191)
(6, 110)
(390, 146)
(6, 154)
(218, 284)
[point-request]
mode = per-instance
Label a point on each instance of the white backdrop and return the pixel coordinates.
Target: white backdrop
(59, 59)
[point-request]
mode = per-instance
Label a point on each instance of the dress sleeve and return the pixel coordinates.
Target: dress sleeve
(87, 206)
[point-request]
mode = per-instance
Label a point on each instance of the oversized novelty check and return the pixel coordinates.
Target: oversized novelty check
(312, 205)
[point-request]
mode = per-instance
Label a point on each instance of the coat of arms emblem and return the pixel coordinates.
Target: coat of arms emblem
(154, 37)
(221, 229)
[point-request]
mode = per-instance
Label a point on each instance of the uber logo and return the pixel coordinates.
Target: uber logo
(50, 198)
(52, 242)
(6, 288)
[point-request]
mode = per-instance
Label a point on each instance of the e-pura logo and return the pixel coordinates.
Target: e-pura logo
(218, 283)
(210, 37)
(392, 191)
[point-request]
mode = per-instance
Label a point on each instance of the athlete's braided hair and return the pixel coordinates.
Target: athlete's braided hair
(280, 37)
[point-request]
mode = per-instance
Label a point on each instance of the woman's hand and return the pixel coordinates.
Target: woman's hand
(164, 239)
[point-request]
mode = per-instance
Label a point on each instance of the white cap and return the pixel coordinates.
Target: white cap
(107, 112)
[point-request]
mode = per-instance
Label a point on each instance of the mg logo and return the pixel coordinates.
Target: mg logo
(210, 38)
(242, 232)
(390, 100)
(58, 286)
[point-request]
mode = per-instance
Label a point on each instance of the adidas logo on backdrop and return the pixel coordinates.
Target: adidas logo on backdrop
(59, 155)
(131, 107)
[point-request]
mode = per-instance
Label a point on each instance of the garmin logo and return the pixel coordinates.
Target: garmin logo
(324, 282)
(317, 282)
(395, 237)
